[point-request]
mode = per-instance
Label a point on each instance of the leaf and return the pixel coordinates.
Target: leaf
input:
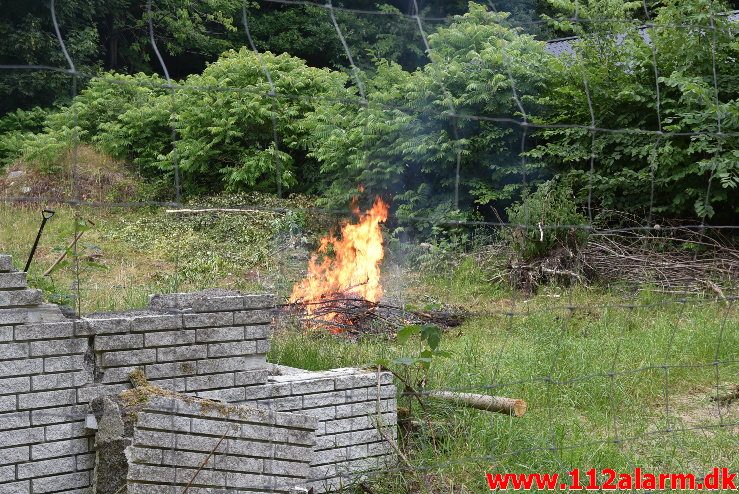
(406, 332)
(404, 361)
(432, 335)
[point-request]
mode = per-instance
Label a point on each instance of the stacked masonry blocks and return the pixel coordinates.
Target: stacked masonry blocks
(209, 345)
(356, 418)
(251, 449)
(211, 350)
(44, 447)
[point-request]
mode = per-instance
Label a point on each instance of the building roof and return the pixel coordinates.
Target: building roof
(565, 46)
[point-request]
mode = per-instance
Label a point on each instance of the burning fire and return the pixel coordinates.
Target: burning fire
(353, 271)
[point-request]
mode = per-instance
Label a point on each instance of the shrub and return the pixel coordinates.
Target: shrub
(540, 221)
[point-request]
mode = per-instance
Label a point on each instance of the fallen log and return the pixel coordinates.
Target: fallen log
(499, 404)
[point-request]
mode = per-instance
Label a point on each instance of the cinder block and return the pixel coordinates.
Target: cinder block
(86, 394)
(168, 422)
(129, 357)
(169, 338)
(189, 459)
(85, 461)
(56, 483)
(117, 375)
(171, 369)
(58, 347)
(20, 298)
(251, 378)
(156, 322)
(230, 364)
(21, 367)
(17, 437)
(208, 320)
(8, 403)
(59, 448)
(176, 353)
(61, 380)
(153, 456)
(308, 386)
(15, 385)
(233, 463)
(259, 301)
(324, 399)
(263, 346)
(170, 383)
(6, 333)
(59, 415)
(22, 487)
(98, 326)
(44, 331)
(119, 342)
(248, 317)
(63, 364)
(217, 304)
(71, 430)
(259, 332)
(210, 381)
(17, 454)
(6, 263)
(154, 439)
(10, 281)
(13, 351)
(232, 349)
(13, 316)
(229, 395)
(204, 476)
(45, 399)
(214, 335)
(42, 468)
(15, 420)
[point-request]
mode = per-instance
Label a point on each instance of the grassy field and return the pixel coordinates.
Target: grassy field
(606, 374)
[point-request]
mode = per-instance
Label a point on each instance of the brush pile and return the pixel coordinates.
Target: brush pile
(354, 316)
(680, 261)
(677, 260)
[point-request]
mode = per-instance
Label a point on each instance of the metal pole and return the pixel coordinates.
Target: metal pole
(46, 214)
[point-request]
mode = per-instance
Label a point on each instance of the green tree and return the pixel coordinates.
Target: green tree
(404, 143)
(614, 69)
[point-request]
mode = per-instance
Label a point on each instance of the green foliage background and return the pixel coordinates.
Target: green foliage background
(419, 125)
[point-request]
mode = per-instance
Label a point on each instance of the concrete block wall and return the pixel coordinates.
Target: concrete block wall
(44, 447)
(209, 344)
(206, 344)
(170, 437)
(356, 417)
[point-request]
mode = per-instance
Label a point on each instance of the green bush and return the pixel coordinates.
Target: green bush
(541, 221)
(13, 129)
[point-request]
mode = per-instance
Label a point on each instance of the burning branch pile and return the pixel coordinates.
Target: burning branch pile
(342, 290)
(343, 286)
(354, 316)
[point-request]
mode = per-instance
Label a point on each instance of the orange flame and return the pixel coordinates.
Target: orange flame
(353, 270)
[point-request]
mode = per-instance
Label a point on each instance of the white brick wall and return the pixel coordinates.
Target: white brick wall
(207, 344)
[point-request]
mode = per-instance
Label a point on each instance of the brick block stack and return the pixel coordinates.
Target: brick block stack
(44, 447)
(159, 442)
(206, 345)
(356, 417)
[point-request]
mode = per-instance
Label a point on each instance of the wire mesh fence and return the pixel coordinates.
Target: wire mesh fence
(598, 393)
